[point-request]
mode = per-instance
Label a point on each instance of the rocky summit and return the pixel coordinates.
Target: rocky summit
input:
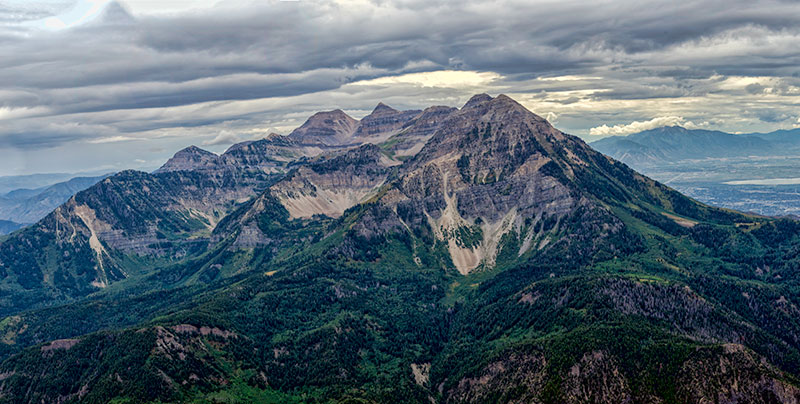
(443, 255)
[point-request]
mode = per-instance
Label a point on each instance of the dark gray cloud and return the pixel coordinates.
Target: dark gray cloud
(243, 65)
(772, 116)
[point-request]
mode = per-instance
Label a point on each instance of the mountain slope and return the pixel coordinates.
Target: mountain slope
(416, 132)
(268, 155)
(123, 226)
(159, 217)
(381, 123)
(504, 262)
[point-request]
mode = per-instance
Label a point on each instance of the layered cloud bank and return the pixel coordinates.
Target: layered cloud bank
(80, 79)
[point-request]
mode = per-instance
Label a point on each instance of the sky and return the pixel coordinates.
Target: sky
(98, 85)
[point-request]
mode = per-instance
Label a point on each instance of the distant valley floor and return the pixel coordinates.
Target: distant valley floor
(763, 185)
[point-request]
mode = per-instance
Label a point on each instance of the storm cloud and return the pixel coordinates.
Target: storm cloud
(238, 70)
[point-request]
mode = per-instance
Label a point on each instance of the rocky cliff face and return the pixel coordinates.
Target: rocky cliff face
(383, 122)
(722, 374)
(268, 155)
(189, 159)
(332, 128)
(326, 185)
(333, 183)
(174, 361)
(416, 132)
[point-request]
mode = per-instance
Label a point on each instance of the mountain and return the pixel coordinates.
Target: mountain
(382, 122)
(783, 138)
(31, 181)
(330, 128)
(31, 205)
(7, 226)
(336, 128)
(264, 156)
(674, 143)
(135, 221)
(415, 133)
(131, 222)
(505, 261)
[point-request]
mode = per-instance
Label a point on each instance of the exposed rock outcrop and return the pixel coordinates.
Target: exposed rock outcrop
(331, 128)
(383, 122)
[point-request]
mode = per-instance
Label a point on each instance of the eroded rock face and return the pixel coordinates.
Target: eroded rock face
(416, 132)
(189, 159)
(330, 185)
(730, 374)
(268, 155)
(724, 374)
(520, 378)
(168, 360)
(331, 128)
(327, 185)
(596, 379)
(382, 123)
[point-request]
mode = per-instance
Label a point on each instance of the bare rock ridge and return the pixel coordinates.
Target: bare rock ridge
(416, 132)
(383, 122)
(331, 128)
(267, 155)
(336, 128)
(322, 132)
(190, 158)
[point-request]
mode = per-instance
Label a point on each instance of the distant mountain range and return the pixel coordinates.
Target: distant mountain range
(29, 205)
(446, 255)
(32, 181)
(7, 226)
(670, 144)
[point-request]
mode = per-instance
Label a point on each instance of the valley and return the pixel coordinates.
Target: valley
(749, 173)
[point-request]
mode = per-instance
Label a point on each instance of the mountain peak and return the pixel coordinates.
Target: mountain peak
(328, 127)
(382, 108)
(477, 99)
(194, 150)
(500, 127)
(189, 158)
(383, 122)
